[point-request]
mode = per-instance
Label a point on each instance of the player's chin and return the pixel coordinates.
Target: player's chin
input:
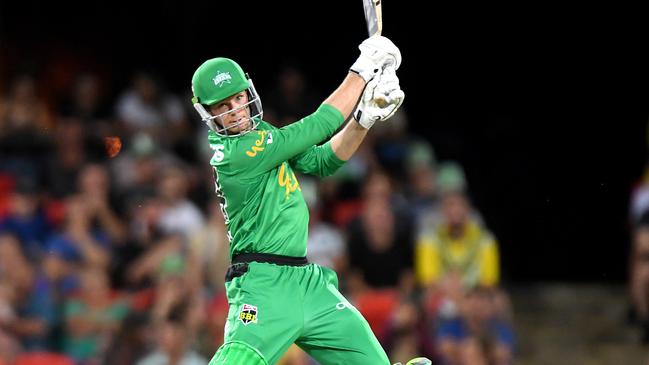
(245, 125)
(241, 126)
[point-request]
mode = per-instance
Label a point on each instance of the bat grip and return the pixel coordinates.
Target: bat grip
(382, 101)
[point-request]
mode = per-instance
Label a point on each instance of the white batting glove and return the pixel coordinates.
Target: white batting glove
(381, 99)
(377, 52)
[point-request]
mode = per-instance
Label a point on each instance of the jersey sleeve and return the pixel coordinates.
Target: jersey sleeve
(317, 160)
(262, 150)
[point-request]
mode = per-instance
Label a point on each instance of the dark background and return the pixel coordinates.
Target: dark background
(545, 107)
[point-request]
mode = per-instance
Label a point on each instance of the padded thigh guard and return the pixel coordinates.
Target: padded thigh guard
(237, 353)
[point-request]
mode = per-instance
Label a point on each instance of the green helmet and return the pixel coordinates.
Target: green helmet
(217, 79)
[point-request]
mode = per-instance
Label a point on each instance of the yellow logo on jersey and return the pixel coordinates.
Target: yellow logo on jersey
(284, 179)
(256, 148)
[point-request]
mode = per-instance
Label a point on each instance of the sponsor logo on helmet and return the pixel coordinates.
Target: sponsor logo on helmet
(248, 314)
(221, 78)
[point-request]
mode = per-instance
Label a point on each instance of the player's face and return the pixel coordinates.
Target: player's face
(235, 116)
(455, 209)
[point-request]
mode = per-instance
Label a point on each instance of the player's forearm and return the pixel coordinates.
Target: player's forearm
(347, 94)
(347, 141)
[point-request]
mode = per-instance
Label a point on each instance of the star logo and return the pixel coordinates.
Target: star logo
(221, 78)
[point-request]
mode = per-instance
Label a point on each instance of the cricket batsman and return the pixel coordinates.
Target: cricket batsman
(275, 296)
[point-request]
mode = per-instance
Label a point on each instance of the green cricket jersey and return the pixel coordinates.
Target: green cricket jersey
(260, 196)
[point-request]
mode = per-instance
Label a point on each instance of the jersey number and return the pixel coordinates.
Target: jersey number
(218, 152)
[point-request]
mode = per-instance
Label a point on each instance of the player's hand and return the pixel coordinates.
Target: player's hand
(377, 52)
(381, 99)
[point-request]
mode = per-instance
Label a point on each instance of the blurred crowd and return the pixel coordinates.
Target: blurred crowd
(639, 256)
(122, 260)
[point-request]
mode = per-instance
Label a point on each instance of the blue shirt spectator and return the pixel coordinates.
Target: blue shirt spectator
(457, 329)
(66, 247)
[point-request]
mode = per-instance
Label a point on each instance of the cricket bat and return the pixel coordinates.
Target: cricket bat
(373, 16)
(373, 19)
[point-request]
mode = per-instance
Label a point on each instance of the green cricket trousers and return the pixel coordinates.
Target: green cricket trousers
(276, 301)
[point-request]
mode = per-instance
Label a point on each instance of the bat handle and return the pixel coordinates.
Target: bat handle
(382, 101)
(392, 61)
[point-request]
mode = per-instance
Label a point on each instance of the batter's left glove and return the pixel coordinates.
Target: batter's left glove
(381, 98)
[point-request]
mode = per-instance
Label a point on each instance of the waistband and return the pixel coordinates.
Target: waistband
(269, 258)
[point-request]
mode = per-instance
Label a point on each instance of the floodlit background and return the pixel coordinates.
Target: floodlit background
(523, 140)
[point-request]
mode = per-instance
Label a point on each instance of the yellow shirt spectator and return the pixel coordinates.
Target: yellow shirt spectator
(473, 253)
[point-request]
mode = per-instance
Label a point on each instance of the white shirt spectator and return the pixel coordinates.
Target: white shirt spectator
(325, 245)
(183, 217)
(138, 114)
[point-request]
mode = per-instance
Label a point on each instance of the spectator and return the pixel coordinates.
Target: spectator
(143, 214)
(9, 344)
(380, 246)
(79, 241)
(145, 268)
(292, 100)
(451, 177)
(26, 218)
(391, 146)
(14, 266)
(406, 333)
(170, 277)
(136, 169)
(380, 241)
(478, 335)
(209, 247)
(325, 245)
(422, 189)
(147, 107)
(174, 286)
(34, 304)
(87, 103)
(448, 177)
(640, 197)
(172, 345)
(179, 214)
(23, 110)
(15, 283)
(92, 317)
(459, 250)
(24, 117)
(141, 211)
(339, 195)
(94, 190)
(639, 275)
(132, 340)
(455, 257)
(56, 279)
(67, 159)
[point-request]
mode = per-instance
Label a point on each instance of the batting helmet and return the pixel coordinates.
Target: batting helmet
(217, 79)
